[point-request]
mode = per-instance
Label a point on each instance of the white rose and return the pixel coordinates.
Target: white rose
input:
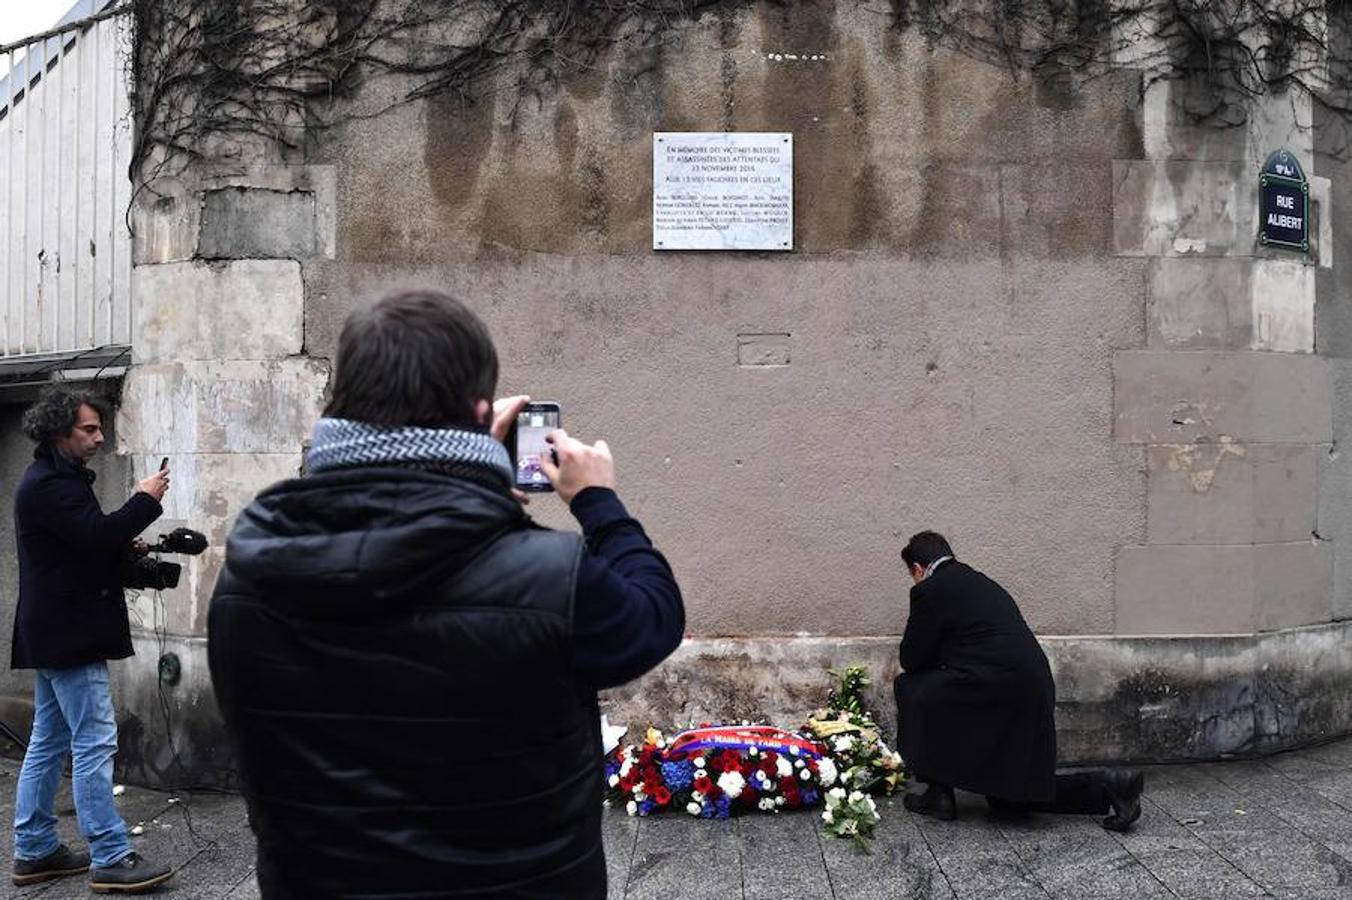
(614, 780)
(844, 743)
(826, 772)
(696, 796)
(783, 767)
(806, 775)
(632, 808)
(699, 762)
(828, 817)
(856, 796)
(837, 793)
(793, 750)
(626, 768)
(639, 795)
(798, 763)
(693, 808)
(766, 804)
(779, 801)
(752, 751)
(732, 784)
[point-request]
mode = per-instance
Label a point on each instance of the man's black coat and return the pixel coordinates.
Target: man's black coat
(71, 608)
(975, 702)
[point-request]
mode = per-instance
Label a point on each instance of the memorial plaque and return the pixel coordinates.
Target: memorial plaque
(717, 190)
(1284, 203)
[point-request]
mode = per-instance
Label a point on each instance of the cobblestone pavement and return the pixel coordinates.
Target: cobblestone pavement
(1277, 827)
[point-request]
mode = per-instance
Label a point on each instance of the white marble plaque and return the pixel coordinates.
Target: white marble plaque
(722, 190)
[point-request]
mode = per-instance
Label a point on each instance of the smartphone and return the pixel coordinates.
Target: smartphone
(164, 464)
(526, 442)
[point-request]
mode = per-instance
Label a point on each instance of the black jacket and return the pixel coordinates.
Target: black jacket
(394, 655)
(71, 608)
(975, 702)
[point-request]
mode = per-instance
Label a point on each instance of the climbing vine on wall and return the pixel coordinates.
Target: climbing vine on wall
(210, 74)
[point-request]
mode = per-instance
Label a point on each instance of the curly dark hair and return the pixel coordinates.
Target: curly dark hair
(54, 415)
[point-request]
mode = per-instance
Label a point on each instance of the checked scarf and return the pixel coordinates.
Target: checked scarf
(472, 455)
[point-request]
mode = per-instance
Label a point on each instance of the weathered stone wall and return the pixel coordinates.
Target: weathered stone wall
(222, 386)
(1142, 699)
(1028, 314)
(946, 323)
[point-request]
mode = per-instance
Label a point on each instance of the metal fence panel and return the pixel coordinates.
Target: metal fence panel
(65, 142)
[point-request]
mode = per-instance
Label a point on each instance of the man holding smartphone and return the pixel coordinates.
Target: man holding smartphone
(407, 664)
(71, 619)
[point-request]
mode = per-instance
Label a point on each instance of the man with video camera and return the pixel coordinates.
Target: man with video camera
(71, 619)
(408, 664)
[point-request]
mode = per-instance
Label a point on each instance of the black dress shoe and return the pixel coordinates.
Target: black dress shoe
(1123, 787)
(937, 802)
(60, 862)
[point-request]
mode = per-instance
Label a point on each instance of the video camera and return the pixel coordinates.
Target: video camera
(141, 571)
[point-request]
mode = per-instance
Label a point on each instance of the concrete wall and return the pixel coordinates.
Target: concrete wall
(1030, 315)
(950, 311)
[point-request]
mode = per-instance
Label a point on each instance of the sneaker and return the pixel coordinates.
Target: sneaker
(1123, 787)
(60, 862)
(129, 875)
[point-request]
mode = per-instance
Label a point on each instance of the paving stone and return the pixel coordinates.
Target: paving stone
(782, 857)
(619, 833)
(1189, 869)
(245, 890)
(898, 864)
(678, 856)
(976, 857)
(1283, 859)
(1276, 827)
(1071, 855)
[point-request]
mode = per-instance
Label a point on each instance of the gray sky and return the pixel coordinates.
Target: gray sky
(20, 18)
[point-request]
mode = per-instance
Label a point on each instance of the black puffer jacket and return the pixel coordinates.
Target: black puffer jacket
(392, 651)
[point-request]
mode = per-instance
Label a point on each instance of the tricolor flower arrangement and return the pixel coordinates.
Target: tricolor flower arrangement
(717, 771)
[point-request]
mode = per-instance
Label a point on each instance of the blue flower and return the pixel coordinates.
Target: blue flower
(724, 806)
(646, 807)
(709, 810)
(679, 775)
(809, 797)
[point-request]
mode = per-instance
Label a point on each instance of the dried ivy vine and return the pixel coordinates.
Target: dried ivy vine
(207, 73)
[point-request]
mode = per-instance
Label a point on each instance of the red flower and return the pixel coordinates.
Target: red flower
(715, 764)
(715, 792)
(749, 795)
(645, 755)
(812, 765)
(703, 784)
(731, 760)
(771, 757)
(662, 796)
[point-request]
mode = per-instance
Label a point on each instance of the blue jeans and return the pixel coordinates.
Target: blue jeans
(72, 713)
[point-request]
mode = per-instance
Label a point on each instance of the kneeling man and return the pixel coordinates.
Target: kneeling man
(975, 702)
